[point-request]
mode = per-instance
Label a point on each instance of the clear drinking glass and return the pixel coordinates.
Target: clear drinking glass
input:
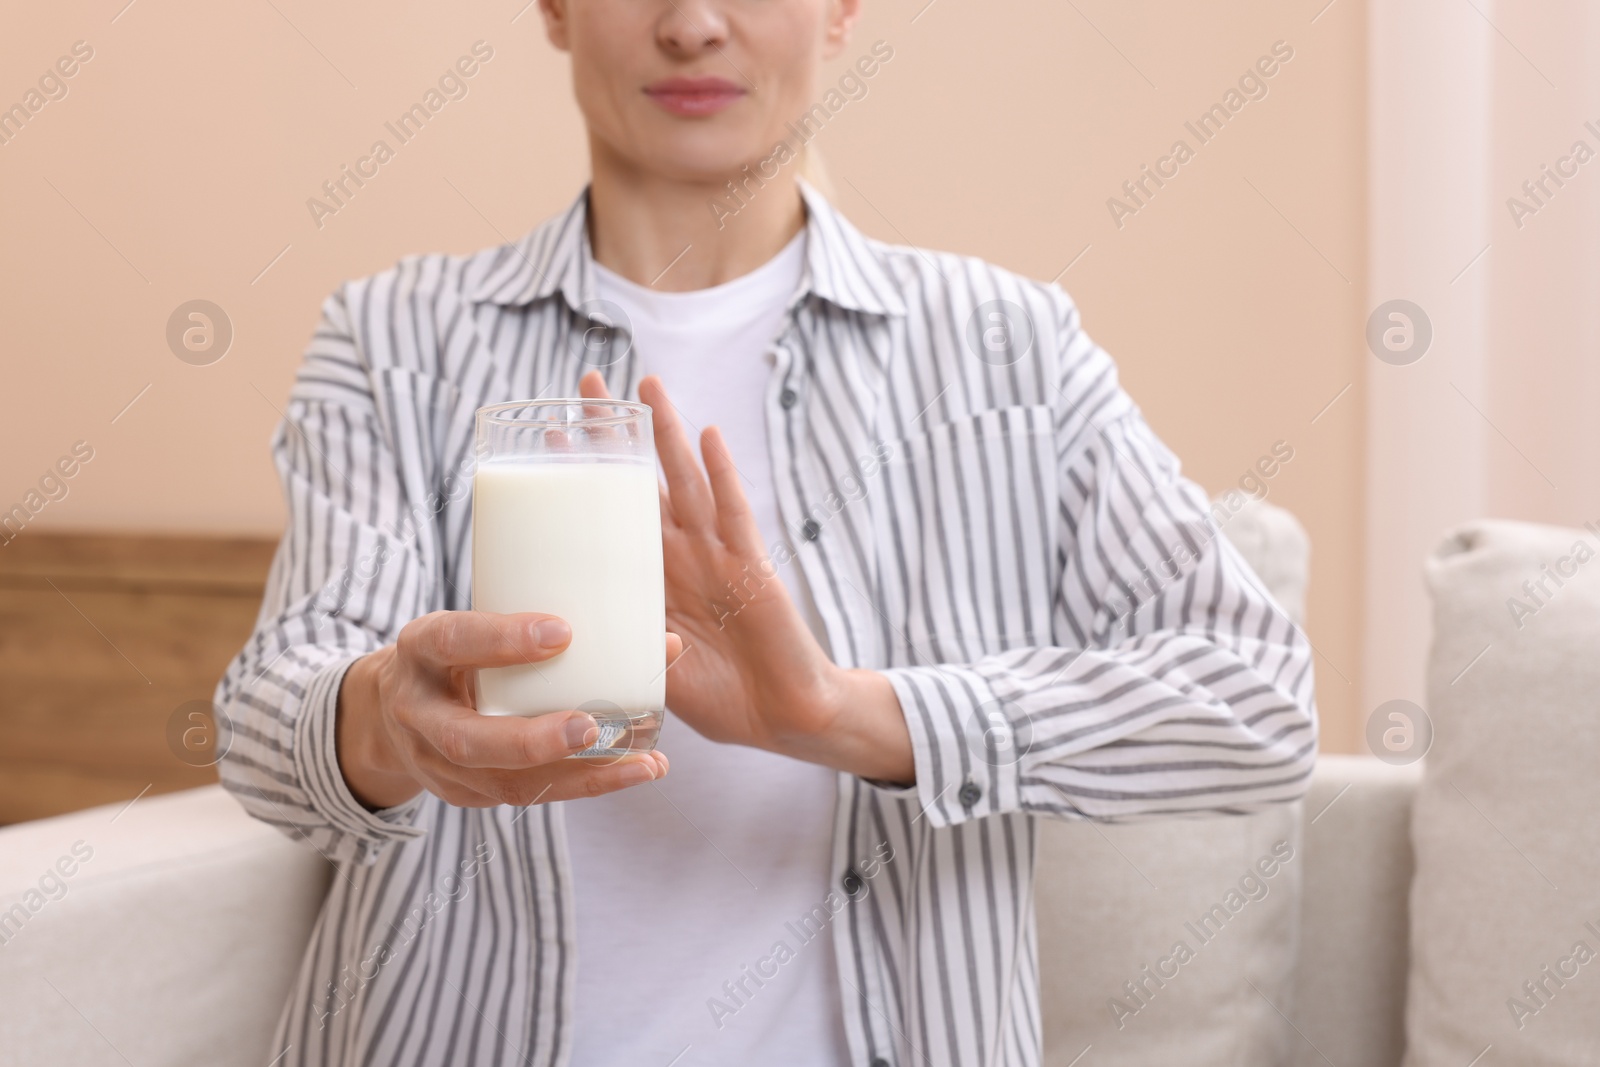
(566, 520)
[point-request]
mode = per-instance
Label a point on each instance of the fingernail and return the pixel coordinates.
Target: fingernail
(638, 773)
(581, 732)
(551, 633)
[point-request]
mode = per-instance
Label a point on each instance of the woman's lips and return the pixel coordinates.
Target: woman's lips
(694, 96)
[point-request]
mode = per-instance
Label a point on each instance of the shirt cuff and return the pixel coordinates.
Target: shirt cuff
(316, 765)
(967, 745)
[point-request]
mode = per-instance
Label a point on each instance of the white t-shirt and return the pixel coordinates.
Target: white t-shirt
(683, 887)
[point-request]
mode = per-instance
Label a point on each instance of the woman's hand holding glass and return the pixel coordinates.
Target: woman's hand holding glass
(407, 720)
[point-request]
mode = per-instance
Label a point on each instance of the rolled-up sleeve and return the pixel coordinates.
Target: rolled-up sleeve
(343, 581)
(1174, 684)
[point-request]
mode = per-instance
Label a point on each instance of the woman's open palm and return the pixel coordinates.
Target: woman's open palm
(751, 672)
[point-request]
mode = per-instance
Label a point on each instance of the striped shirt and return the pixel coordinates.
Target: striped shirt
(977, 509)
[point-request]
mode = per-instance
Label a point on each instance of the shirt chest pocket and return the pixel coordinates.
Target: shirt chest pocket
(967, 535)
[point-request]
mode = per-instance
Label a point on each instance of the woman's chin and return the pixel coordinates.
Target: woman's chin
(696, 160)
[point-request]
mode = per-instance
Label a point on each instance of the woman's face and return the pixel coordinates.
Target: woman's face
(695, 89)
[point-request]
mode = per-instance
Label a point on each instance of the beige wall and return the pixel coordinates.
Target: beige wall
(1544, 382)
(179, 163)
(1497, 418)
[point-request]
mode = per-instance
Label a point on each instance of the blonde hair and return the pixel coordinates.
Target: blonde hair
(814, 171)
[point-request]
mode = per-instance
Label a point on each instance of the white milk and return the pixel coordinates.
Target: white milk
(580, 539)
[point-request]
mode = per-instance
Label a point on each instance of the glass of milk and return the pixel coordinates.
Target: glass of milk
(566, 520)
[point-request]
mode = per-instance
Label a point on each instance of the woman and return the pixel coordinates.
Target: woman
(936, 579)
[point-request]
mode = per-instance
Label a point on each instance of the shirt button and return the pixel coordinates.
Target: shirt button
(810, 530)
(788, 397)
(970, 794)
(851, 882)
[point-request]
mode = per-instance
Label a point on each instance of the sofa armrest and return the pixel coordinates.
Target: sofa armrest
(1351, 977)
(166, 932)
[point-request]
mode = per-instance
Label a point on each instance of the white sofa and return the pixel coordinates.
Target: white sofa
(175, 943)
(167, 932)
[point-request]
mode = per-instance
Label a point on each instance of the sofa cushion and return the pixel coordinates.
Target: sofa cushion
(1505, 905)
(166, 932)
(1273, 542)
(1122, 906)
(1350, 977)
(1170, 941)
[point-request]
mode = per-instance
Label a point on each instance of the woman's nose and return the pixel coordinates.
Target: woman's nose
(691, 26)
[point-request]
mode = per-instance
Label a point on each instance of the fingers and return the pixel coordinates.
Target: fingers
(734, 518)
(474, 760)
(468, 739)
(577, 779)
(674, 647)
(669, 518)
(593, 387)
(446, 639)
(563, 780)
(691, 497)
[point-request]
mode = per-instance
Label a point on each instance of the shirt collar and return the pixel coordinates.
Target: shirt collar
(842, 265)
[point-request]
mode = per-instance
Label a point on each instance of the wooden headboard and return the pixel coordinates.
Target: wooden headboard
(104, 639)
